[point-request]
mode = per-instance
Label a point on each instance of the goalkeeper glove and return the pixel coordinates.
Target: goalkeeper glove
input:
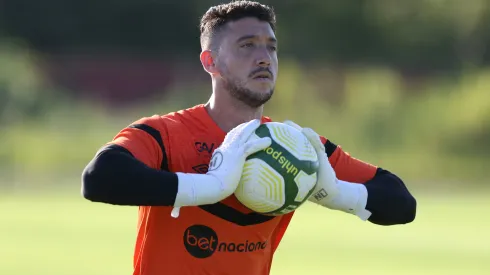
(329, 191)
(225, 168)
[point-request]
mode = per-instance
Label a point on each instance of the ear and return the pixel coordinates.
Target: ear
(208, 62)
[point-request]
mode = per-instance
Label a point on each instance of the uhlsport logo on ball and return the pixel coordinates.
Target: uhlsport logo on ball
(202, 242)
(282, 160)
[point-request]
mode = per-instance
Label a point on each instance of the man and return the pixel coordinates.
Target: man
(189, 220)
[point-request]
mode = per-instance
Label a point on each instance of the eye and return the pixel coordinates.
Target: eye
(247, 45)
(273, 48)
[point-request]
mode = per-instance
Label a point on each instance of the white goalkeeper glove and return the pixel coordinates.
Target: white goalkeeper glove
(329, 191)
(225, 169)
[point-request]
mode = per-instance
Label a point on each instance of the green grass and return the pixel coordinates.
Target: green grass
(48, 232)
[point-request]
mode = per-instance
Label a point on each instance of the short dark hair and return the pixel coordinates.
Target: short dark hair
(218, 16)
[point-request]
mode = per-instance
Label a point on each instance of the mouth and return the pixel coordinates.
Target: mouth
(262, 76)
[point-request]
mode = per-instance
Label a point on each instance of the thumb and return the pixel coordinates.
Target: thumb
(256, 145)
(314, 139)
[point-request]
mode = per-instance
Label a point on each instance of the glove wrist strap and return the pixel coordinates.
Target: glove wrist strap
(352, 198)
(197, 189)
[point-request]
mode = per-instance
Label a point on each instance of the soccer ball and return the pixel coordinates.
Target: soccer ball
(280, 178)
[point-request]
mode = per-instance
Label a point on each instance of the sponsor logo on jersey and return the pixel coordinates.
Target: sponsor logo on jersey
(204, 147)
(285, 163)
(202, 242)
(201, 168)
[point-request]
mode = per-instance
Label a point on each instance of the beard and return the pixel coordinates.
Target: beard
(250, 98)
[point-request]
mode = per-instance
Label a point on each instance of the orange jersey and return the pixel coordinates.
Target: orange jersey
(223, 238)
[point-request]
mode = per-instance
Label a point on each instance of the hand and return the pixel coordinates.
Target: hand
(329, 191)
(327, 179)
(229, 158)
(225, 169)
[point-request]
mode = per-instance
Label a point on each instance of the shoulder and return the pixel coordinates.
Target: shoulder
(161, 121)
(187, 115)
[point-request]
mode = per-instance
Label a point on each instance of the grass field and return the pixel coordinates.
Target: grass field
(58, 233)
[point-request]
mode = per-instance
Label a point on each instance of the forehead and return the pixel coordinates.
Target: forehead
(248, 27)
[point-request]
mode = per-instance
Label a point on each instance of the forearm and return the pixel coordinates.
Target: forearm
(389, 200)
(114, 176)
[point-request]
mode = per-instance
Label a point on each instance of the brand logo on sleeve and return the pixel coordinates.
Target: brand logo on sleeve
(216, 161)
(202, 242)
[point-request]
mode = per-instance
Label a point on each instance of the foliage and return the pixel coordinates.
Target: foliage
(437, 129)
(416, 35)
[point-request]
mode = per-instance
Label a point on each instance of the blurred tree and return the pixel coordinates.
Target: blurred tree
(423, 35)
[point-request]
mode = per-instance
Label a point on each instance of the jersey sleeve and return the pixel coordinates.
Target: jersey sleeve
(143, 139)
(348, 168)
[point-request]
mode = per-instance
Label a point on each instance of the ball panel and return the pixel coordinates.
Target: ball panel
(288, 138)
(261, 188)
(280, 158)
(306, 183)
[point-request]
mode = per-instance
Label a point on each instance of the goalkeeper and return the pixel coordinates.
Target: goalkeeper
(160, 163)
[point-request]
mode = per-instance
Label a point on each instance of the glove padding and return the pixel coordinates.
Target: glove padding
(225, 168)
(329, 191)
(228, 159)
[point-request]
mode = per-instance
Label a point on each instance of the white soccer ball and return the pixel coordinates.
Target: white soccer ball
(279, 179)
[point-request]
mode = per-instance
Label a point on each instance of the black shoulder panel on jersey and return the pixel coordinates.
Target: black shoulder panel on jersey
(232, 215)
(158, 138)
(330, 148)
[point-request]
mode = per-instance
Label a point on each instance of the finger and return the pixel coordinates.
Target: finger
(237, 129)
(256, 145)
(314, 139)
(248, 129)
(292, 124)
(175, 212)
(234, 133)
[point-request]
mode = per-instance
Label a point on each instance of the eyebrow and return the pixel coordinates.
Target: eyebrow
(247, 37)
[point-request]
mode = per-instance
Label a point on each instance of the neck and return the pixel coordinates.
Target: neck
(228, 112)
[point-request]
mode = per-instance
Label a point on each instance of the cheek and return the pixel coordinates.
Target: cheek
(275, 61)
(229, 63)
(238, 69)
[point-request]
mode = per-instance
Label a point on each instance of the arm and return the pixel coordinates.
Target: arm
(356, 187)
(388, 199)
(133, 170)
(115, 176)
(385, 195)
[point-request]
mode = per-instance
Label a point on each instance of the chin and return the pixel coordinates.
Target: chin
(262, 88)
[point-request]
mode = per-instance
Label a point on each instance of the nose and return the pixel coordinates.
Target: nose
(264, 59)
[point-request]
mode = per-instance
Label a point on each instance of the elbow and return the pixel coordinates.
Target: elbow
(410, 210)
(403, 212)
(91, 188)
(101, 176)
(391, 203)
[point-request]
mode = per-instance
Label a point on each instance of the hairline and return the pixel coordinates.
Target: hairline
(214, 35)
